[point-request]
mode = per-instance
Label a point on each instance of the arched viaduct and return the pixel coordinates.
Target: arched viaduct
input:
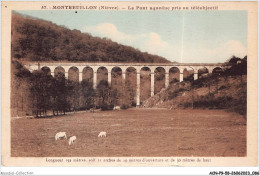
(124, 66)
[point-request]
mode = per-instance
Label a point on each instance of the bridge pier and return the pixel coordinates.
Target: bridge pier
(81, 68)
(138, 89)
(94, 79)
(210, 70)
(52, 69)
(195, 76)
(80, 76)
(66, 75)
(152, 84)
(181, 76)
(109, 78)
(166, 79)
(123, 77)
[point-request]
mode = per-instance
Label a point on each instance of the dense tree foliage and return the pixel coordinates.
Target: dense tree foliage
(40, 94)
(237, 66)
(39, 40)
(20, 89)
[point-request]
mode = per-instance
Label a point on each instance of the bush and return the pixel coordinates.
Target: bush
(174, 80)
(124, 106)
(172, 95)
(180, 90)
(106, 107)
(198, 83)
(212, 102)
(187, 104)
(133, 104)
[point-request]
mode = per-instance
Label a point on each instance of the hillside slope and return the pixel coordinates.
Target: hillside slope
(39, 40)
(210, 93)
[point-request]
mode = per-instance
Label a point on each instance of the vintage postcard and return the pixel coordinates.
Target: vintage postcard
(129, 84)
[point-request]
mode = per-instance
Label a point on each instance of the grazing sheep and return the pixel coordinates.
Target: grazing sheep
(117, 108)
(102, 134)
(72, 139)
(92, 109)
(60, 135)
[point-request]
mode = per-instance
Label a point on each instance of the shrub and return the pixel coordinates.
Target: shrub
(174, 80)
(133, 104)
(198, 83)
(106, 107)
(187, 104)
(222, 87)
(180, 90)
(124, 106)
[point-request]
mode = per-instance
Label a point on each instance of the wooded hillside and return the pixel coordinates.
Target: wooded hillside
(223, 90)
(39, 40)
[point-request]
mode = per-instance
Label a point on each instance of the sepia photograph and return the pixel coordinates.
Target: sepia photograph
(138, 81)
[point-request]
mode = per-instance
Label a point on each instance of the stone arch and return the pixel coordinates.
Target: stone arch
(145, 83)
(174, 74)
(116, 77)
(73, 74)
(131, 71)
(102, 74)
(145, 68)
(217, 71)
(46, 70)
(188, 74)
(159, 79)
(59, 71)
(87, 75)
(131, 83)
(203, 72)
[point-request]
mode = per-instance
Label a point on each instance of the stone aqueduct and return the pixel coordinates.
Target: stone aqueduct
(124, 66)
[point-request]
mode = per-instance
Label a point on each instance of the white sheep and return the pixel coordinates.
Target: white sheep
(60, 135)
(117, 108)
(72, 139)
(102, 134)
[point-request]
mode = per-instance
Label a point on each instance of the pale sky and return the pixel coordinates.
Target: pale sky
(182, 36)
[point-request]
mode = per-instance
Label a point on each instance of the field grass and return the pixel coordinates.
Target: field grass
(132, 132)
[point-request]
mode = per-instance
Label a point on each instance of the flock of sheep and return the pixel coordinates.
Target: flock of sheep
(72, 139)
